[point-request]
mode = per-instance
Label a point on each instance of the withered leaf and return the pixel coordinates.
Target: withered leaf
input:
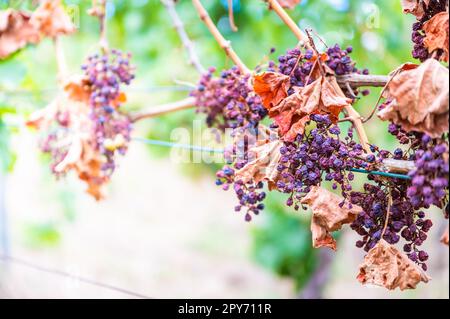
(387, 267)
(419, 99)
(444, 237)
(16, 32)
(327, 215)
(289, 4)
(82, 156)
(414, 7)
(271, 87)
(51, 19)
(263, 166)
(436, 34)
(322, 96)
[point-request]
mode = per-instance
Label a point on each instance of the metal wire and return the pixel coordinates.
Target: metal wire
(177, 145)
(205, 149)
(18, 261)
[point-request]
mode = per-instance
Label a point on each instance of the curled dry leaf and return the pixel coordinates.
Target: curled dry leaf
(414, 7)
(265, 156)
(51, 19)
(444, 238)
(271, 87)
(323, 96)
(327, 215)
(16, 32)
(419, 99)
(387, 267)
(436, 34)
(289, 4)
(76, 145)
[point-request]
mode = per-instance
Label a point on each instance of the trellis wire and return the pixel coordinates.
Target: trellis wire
(4, 231)
(18, 261)
(215, 150)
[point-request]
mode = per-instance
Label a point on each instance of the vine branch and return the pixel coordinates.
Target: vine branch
(233, 26)
(360, 80)
(60, 60)
(185, 40)
(275, 6)
(99, 10)
(224, 44)
(159, 110)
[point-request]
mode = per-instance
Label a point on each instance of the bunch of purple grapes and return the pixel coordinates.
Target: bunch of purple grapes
(429, 179)
(298, 65)
(428, 186)
(105, 74)
(52, 142)
(404, 221)
(319, 154)
(418, 35)
(250, 194)
(229, 100)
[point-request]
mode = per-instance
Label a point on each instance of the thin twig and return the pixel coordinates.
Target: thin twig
(233, 26)
(275, 6)
(358, 80)
(374, 109)
(359, 127)
(9, 259)
(386, 221)
(60, 60)
(225, 44)
(163, 109)
(185, 40)
(99, 10)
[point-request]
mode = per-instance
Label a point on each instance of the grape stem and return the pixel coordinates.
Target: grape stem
(224, 44)
(159, 110)
(387, 214)
(185, 40)
(233, 26)
(99, 10)
(60, 60)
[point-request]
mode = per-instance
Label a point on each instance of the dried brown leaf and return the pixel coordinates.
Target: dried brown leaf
(436, 34)
(413, 7)
(419, 99)
(271, 87)
(387, 267)
(263, 166)
(322, 96)
(16, 32)
(51, 19)
(444, 237)
(328, 215)
(82, 156)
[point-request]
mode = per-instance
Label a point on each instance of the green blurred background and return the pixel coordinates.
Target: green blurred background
(280, 240)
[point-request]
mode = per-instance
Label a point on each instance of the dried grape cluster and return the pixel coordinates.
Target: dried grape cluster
(299, 65)
(418, 35)
(249, 193)
(53, 143)
(229, 100)
(316, 155)
(404, 221)
(428, 186)
(104, 74)
(429, 179)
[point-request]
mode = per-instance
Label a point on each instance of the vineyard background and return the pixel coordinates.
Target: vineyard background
(165, 230)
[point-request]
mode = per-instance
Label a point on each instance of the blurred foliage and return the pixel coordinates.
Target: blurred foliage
(377, 30)
(283, 244)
